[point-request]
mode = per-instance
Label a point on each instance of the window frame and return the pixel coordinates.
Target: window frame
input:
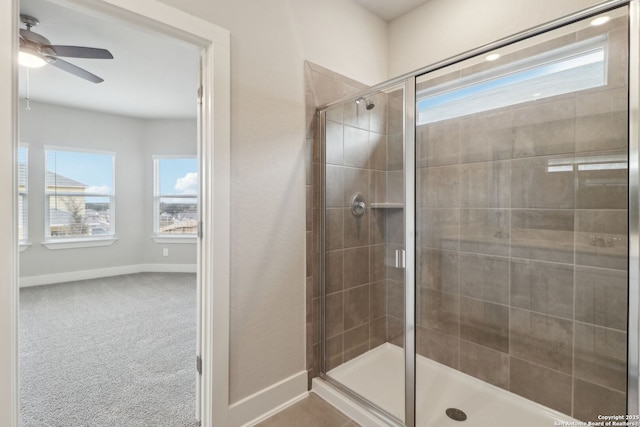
(157, 235)
(23, 197)
(79, 241)
(559, 56)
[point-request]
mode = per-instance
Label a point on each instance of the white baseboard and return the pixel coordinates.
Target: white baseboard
(49, 279)
(261, 405)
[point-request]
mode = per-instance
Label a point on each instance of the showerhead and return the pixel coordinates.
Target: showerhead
(368, 104)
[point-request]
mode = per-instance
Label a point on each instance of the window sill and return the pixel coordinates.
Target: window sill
(175, 239)
(78, 243)
(24, 246)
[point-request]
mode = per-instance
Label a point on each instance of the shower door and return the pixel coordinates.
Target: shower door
(363, 256)
(522, 225)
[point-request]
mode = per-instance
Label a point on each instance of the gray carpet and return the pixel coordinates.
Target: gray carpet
(117, 351)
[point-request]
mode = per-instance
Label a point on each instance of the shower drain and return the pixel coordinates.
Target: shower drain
(456, 414)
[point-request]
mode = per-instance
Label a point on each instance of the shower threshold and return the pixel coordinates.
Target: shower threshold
(378, 376)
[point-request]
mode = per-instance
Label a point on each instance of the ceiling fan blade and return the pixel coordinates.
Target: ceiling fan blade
(81, 52)
(76, 71)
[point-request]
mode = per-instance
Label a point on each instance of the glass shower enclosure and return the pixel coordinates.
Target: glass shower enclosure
(475, 234)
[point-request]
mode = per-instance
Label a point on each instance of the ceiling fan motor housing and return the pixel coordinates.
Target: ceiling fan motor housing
(38, 43)
(35, 44)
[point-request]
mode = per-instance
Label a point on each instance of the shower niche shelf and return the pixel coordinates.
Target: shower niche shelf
(386, 205)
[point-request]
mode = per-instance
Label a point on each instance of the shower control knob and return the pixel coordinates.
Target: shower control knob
(358, 205)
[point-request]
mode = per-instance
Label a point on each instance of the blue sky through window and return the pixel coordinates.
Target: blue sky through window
(95, 170)
(569, 69)
(178, 176)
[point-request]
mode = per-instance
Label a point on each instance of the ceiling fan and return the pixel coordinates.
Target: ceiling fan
(37, 51)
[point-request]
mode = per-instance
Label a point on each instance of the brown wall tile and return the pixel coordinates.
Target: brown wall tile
(334, 150)
(545, 235)
(377, 225)
(378, 149)
(334, 352)
(602, 180)
(438, 144)
(484, 363)
(439, 311)
(356, 266)
(484, 277)
(334, 271)
(334, 307)
(395, 331)
(438, 270)
(601, 356)
(591, 400)
(439, 228)
(356, 229)
(439, 187)
(334, 237)
(486, 136)
(357, 148)
(378, 332)
(601, 297)
(542, 339)
(485, 231)
(356, 342)
(395, 152)
(544, 128)
(356, 307)
(442, 348)
(485, 185)
(601, 238)
(395, 112)
(546, 386)
(395, 299)
(485, 323)
(378, 271)
(601, 120)
(532, 178)
(356, 181)
(378, 300)
(543, 287)
(334, 194)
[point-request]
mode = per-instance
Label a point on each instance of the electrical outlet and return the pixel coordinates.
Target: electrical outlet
(165, 251)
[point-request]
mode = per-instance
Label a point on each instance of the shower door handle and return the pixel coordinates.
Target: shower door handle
(400, 258)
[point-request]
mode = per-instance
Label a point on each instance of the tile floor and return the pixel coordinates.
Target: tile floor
(312, 411)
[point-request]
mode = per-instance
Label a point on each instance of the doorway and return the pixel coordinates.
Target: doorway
(114, 330)
(207, 36)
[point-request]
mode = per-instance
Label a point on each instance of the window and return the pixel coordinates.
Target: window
(23, 175)
(175, 195)
(79, 194)
(571, 68)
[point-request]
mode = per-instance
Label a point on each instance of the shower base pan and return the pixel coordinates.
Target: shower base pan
(378, 376)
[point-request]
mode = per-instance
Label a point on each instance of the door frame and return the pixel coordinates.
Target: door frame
(214, 136)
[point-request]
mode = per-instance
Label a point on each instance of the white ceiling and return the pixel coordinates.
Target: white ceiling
(151, 75)
(391, 9)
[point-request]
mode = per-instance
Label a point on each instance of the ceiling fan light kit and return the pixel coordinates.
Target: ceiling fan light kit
(36, 51)
(31, 58)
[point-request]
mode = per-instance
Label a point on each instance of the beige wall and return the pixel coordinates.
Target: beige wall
(269, 42)
(423, 37)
